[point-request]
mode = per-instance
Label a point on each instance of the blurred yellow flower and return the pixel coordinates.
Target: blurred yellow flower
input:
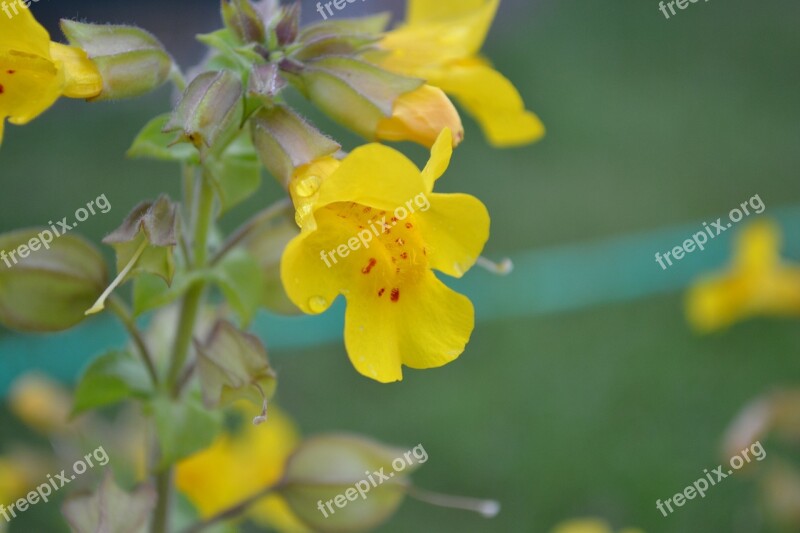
(35, 72)
(239, 465)
(589, 525)
(440, 43)
(758, 283)
(41, 403)
(374, 231)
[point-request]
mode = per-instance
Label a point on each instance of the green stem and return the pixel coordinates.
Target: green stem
(278, 208)
(118, 307)
(161, 512)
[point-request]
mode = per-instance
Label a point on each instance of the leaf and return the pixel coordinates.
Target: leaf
(52, 285)
(237, 175)
(183, 428)
(110, 509)
(233, 365)
(151, 292)
(110, 379)
(239, 278)
(152, 143)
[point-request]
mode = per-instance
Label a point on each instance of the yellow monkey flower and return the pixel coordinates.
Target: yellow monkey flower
(239, 465)
(758, 283)
(440, 43)
(35, 72)
(373, 231)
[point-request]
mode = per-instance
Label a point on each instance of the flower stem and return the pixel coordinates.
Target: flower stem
(118, 307)
(275, 210)
(161, 512)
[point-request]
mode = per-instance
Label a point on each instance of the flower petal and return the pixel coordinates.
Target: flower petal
(455, 229)
(420, 116)
(373, 175)
(29, 84)
(493, 100)
(23, 33)
(81, 77)
(441, 153)
(426, 326)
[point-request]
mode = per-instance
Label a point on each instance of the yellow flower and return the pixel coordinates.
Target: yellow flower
(241, 464)
(440, 43)
(588, 525)
(374, 231)
(41, 403)
(758, 283)
(420, 116)
(35, 72)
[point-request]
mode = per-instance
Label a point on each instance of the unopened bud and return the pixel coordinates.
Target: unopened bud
(130, 60)
(242, 19)
(210, 112)
(285, 142)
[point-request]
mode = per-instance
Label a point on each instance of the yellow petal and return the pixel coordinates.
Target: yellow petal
(455, 229)
(23, 34)
(373, 175)
(424, 324)
(237, 466)
(758, 247)
(441, 153)
(419, 11)
(583, 525)
(81, 77)
(420, 116)
(28, 86)
(40, 403)
(274, 511)
(492, 100)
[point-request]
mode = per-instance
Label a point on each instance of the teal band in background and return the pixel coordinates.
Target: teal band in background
(546, 281)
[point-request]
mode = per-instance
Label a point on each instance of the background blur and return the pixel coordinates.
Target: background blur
(596, 408)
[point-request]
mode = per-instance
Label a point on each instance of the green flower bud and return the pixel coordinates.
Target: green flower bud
(210, 112)
(353, 471)
(47, 281)
(131, 61)
(242, 19)
(284, 141)
(288, 25)
(354, 93)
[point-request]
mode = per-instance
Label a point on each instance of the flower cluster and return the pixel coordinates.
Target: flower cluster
(232, 121)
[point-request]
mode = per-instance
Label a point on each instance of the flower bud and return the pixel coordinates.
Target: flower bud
(210, 112)
(289, 24)
(40, 403)
(335, 467)
(131, 61)
(356, 94)
(241, 18)
(46, 280)
(284, 141)
(420, 116)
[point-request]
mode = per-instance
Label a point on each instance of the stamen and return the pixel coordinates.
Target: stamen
(503, 268)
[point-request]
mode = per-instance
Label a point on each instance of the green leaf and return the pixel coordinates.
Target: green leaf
(47, 282)
(237, 175)
(110, 509)
(151, 292)
(152, 143)
(110, 379)
(183, 428)
(239, 278)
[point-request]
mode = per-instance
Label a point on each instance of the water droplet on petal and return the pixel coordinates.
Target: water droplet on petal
(307, 186)
(302, 214)
(317, 304)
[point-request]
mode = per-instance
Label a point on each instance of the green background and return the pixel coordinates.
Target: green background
(595, 408)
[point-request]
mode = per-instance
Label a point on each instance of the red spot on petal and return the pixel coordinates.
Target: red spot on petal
(2, 89)
(395, 295)
(380, 292)
(368, 268)
(394, 219)
(367, 209)
(401, 242)
(404, 255)
(11, 71)
(409, 225)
